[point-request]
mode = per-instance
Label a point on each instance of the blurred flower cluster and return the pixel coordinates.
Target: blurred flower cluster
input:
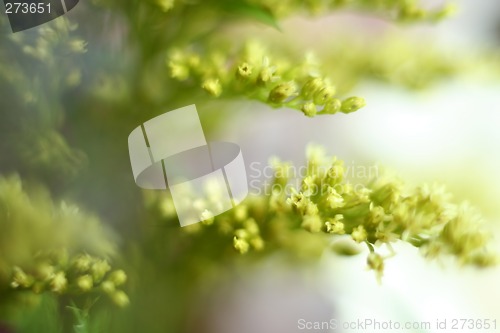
(44, 247)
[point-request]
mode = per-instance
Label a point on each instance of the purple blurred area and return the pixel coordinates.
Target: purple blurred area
(5, 329)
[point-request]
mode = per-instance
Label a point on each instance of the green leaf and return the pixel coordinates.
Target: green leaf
(251, 11)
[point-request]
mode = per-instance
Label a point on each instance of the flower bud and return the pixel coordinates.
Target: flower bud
(335, 226)
(99, 270)
(241, 245)
(85, 283)
(282, 91)
(165, 5)
(324, 95)
(59, 283)
(359, 234)
(311, 87)
(108, 287)
(309, 109)
(21, 279)
(257, 243)
(266, 75)
(82, 263)
(212, 86)
(178, 71)
(332, 106)
(118, 277)
(352, 104)
(120, 298)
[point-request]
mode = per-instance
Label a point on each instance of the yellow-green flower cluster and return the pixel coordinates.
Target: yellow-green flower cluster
(41, 244)
(43, 64)
(165, 5)
(326, 204)
(55, 46)
(253, 73)
(408, 10)
(394, 60)
(62, 275)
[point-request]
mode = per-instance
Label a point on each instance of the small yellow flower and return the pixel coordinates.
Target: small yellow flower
(309, 109)
(82, 263)
(212, 86)
(251, 227)
(334, 199)
(120, 298)
(377, 214)
(311, 87)
(266, 75)
(240, 212)
(108, 287)
(59, 283)
(241, 233)
(332, 106)
(324, 95)
(257, 243)
(359, 234)
(282, 91)
(118, 277)
(244, 70)
(335, 226)
(352, 104)
(241, 245)
(165, 5)
(178, 71)
(99, 269)
(21, 279)
(85, 283)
